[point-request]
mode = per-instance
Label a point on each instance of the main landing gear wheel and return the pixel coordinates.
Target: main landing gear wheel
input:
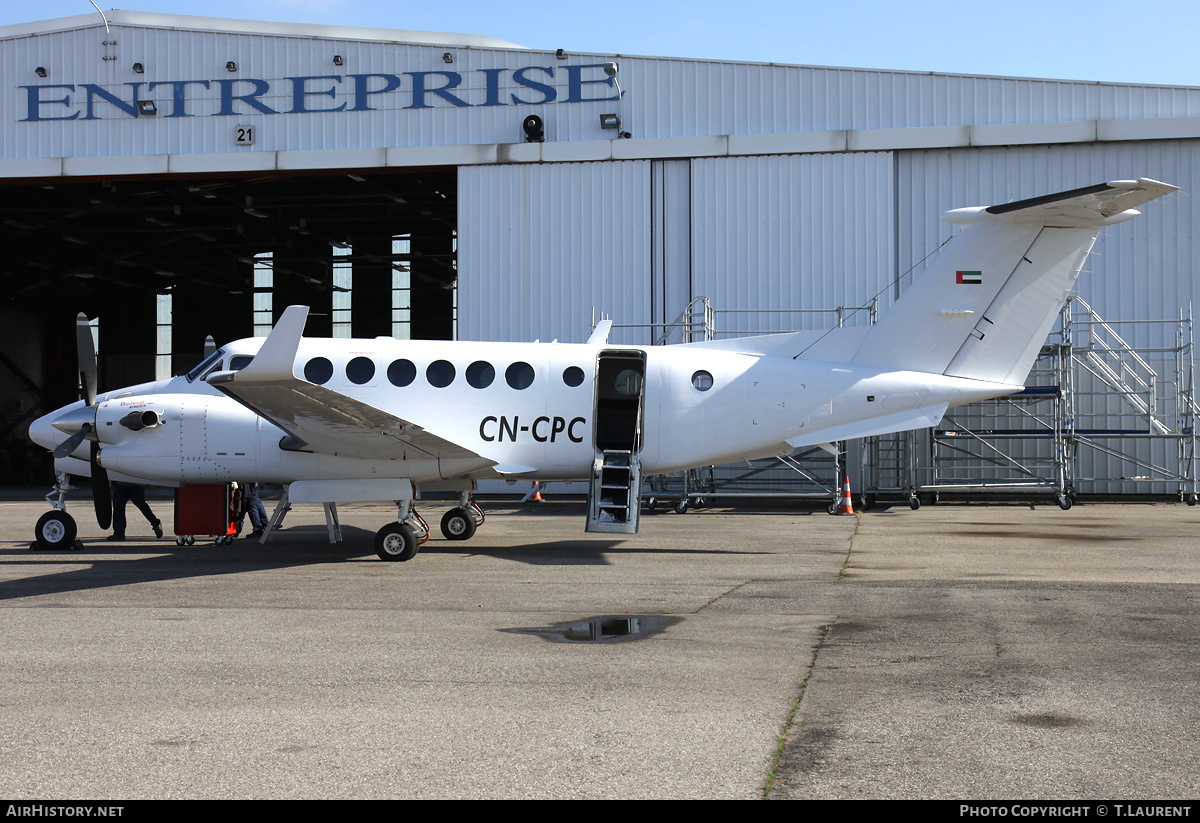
(396, 541)
(458, 524)
(55, 530)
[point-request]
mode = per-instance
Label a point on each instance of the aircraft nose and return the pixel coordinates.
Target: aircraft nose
(51, 429)
(73, 418)
(42, 431)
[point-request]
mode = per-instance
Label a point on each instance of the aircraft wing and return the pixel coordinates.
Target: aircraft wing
(324, 420)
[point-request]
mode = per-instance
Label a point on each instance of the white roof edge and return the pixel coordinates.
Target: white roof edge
(855, 140)
(440, 38)
(218, 24)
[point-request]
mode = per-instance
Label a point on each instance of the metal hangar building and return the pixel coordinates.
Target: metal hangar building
(176, 177)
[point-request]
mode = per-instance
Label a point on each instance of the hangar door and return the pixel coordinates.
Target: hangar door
(775, 235)
(541, 246)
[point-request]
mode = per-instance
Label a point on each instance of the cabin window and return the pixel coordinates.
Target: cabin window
(360, 370)
(318, 370)
(702, 381)
(480, 374)
(440, 373)
(401, 373)
(573, 376)
(519, 375)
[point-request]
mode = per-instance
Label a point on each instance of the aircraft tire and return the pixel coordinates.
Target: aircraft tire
(396, 541)
(458, 524)
(55, 530)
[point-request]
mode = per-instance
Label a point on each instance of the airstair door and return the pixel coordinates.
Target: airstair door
(614, 498)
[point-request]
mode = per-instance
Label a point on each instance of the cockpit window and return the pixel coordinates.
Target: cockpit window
(240, 361)
(206, 365)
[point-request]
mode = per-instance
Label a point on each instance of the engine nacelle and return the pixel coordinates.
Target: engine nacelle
(191, 438)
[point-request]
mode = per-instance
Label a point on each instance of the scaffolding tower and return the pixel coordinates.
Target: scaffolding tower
(1099, 415)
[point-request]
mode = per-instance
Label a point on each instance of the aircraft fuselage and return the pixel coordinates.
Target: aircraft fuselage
(527, 407)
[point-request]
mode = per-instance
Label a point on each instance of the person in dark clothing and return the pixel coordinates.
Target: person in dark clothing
(123, 493)
(254, 507)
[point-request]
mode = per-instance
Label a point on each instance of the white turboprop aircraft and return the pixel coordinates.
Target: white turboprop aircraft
(338, 420)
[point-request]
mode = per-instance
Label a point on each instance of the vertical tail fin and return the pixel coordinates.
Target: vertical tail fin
(984, 305)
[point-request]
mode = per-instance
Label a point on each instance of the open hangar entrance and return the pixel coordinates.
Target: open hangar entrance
(162, 262)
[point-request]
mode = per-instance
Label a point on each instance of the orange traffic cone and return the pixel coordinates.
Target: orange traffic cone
(847, 504)
(537, 492)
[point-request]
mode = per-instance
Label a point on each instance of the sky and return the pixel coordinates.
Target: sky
(1151, 42)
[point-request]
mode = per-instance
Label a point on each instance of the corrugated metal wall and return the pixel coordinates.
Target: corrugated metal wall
(662, 97)
(637, 240)
(540, 246)
(791, 232)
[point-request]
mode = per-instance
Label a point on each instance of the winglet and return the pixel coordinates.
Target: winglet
(276, 358)
(600, 333)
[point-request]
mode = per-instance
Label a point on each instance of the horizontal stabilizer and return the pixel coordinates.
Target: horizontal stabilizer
(1100, 205)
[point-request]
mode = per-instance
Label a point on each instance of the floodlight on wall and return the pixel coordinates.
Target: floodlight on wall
(560, 54)
(610, 121)
(231, 66)
(138, 68)
(448, 57)
(146, 108)
(534, 132)
(40, 71)
(337, 60)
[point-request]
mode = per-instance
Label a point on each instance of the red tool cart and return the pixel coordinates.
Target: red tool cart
(206, 510)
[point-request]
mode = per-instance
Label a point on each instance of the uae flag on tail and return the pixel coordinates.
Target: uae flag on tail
(972, 278)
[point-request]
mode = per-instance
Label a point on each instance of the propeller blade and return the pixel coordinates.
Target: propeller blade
(86, 351)
(71, 443)
(101, 493)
